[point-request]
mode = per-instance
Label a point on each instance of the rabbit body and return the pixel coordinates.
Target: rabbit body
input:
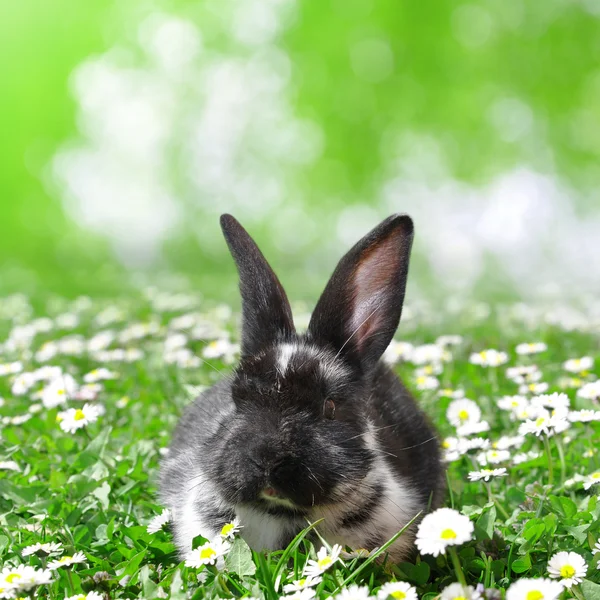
(309, 426)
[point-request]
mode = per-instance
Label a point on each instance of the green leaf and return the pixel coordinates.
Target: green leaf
(578, 532)
(591, 590)
(148, 586)
(515, 496)
(176, 591)
(484, 526)
(563, 506)
(239, 559)
(102, 493)
(198, 541)
(521, 564)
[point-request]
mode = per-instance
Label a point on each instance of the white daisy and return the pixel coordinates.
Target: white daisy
(570, 567)
(301, 584)
(486, 474)
(534, 388)
(493, 457)
(449, 340)
(489, 358)
(99, 375)
(399, 590)
(523, 373)
(324, 561)
(11, 368)
(591, 479)
(578, 365)
(512, 403)
(305, 594)
(472, 428)
(207, 554)
(508, 441)
(158, 522)
(534, 589)
(58, 391)
(442, 528)
(463, 411)
(522, 457)
(48, 548)
(448, 393)
(221, 348)
(66, 561)
(455, 591)
(590, 391)
(583, 416)
(428, 354)
(555, 401)
(597, 549)
(531, 348)
(88, 596)
(23, 578)
(397, 351)
(75, 418)
(229, 530)
(424, 382)
(354, 592)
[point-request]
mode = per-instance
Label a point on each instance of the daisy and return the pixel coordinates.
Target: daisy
(424, 382)
(570, 567)
(583, 416)
(512, 402)
(522, 457)
(556, 401)
(354, 592)
(301, 584)
(11, 368)
(58, 391)
(534, 388)
(99, 375)
(397, 351)
(207, 554)
(507, 441)
(455, 591)
(66, 561)
(590, 480)
(399, 590)
(22, 578)
(448, 393)
(75, 418)
(324, 561)
(428, 354)
(442, 528)
(532, 348)
(597, 549)
(472, 428)
(305, 594)
(49, 548)
(221, 348)
(578, 365)
(158, 522)
(538, 589)
(449, 340)
(229, 530)
(88, 596)
(590, 391)
(486, 474)
(488, 358)
(463, 411)
(522, 373)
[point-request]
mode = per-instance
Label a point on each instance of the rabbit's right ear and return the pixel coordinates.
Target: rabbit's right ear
(266, 312)
(359, 311)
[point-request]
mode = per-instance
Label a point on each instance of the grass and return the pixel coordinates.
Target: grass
(94, 490)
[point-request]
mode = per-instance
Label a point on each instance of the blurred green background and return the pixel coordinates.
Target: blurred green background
(128, 127)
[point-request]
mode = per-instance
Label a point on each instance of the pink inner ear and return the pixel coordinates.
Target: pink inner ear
(372, 284)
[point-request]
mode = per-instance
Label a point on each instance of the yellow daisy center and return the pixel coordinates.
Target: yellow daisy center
(79, 415)
(302, 581)
(398, 594)
(61, 392)
(534, 595)
(567, 571)
(483, 354)
(540, 421)
(460, 598)
(463, 415)
(227, 528)
(207, 553)
(595, 475)
(213, 345)
(324, 562)
(13, 577)
(448, 534)
(65, 559)
(445, 444)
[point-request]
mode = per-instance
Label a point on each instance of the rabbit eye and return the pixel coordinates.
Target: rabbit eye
(329, 408)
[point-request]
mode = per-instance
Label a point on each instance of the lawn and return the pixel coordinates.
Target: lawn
(92, 389)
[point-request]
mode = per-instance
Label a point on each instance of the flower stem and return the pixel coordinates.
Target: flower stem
(70, 581)
(563, 464)
(457, 567)
(577, 592)
(549, 456)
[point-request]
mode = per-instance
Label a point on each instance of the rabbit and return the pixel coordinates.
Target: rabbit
(312, 426)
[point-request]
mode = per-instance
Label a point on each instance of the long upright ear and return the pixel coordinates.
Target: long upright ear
(266, 312)
(359, 311)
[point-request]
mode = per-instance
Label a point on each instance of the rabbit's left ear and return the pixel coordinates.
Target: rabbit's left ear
(266, 312)
(359, 311)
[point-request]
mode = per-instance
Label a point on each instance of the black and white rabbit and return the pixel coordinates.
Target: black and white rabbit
(310, 426)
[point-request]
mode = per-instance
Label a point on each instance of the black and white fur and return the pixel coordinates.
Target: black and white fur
(309, 426)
